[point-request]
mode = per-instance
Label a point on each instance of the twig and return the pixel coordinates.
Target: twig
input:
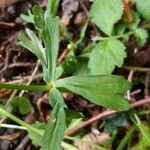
(103, 115)
(23, 143)
(6, 60)
(11, 137)
(127, 11)
(7, 2)
(139, 69)
(3, 24)
(130, 79)
(15, 65)
(64, 53)
(147, 81)
(135, 92)
(32, 76)
(20, 64)
(25, 79)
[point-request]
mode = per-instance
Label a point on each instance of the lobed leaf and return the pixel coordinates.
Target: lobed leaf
(105, 90)
(52, 43)
(105, 56)
(38, 17)
(105, 13)
(57, 124)
(28, 18)
(33, 44)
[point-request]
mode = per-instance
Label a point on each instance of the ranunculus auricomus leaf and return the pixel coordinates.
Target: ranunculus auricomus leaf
(105, 90)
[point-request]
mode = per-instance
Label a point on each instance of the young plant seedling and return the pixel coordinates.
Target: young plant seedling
(103, 90)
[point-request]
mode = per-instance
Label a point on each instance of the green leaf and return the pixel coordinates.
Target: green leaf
(145, 136)
(82, 34)
(38, 17)
(22, 103)
(36, 138)
(127, 137)
(144, 140)
(143, 8)
(33, 44)
(74, 122)
(83, 69)
(52, 6)
(102, 90)
(55, 129)
(70, 63)
(123, 25)
(105, 13)
(72, 115)
(141, 35)
(52, 43)
(29, 18)
(59, 71)
(105, 56)
(120, 29)
(54, 97)
(57, 124)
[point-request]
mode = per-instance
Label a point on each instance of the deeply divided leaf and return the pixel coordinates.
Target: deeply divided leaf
(105, 13)
(33, 44)
(55, 129)
(38, 16)
(105, 56)
(52, 6)
(57, 124)
(52, 42)
(105, 90)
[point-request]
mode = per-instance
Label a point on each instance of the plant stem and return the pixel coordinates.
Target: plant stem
(113, 37)
(19, 121)
(119, 36)
(26, 87)
(13, 126)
